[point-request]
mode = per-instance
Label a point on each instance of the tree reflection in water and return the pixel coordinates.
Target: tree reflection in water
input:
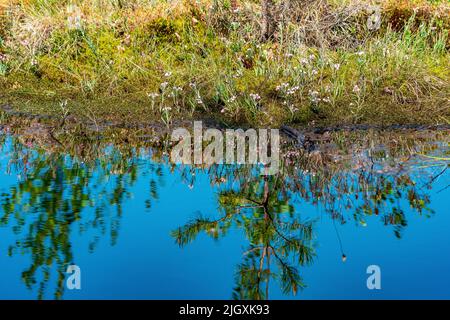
(90, 185)
(272, 229)
(370, 181)
(55, 190)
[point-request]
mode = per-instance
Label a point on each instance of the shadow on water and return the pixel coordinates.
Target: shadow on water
(356, 175)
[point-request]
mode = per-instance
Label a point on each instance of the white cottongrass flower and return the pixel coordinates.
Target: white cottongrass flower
(282, 86)
(164, 85)
(167, 74)
(293, 90)
(314, 96)
(74, 18)
(232, 99)
(153, 95)
(255, 96)
(356, 89)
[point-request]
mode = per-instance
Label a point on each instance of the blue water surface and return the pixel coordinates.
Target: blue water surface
(123, 235)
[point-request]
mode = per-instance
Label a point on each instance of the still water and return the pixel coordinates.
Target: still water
(140, 227)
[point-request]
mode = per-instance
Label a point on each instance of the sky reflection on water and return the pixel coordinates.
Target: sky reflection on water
(141, 228)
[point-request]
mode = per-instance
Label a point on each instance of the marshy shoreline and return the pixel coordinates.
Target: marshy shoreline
(320, 65)
(83, 138)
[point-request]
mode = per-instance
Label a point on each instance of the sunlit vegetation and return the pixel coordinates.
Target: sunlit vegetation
(298, 61)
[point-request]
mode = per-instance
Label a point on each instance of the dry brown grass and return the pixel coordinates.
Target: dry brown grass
(398, 12)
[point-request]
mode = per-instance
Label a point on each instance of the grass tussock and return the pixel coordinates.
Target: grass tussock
(326, 61)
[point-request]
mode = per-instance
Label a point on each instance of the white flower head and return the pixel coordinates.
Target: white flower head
(232, 99)
(255, 96)
(153, 95)
(282, 86)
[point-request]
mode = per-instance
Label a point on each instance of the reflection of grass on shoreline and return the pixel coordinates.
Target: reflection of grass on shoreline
(435, 158)
(370, 194)
(185, 59)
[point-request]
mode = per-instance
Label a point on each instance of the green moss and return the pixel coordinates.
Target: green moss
(161, 30)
